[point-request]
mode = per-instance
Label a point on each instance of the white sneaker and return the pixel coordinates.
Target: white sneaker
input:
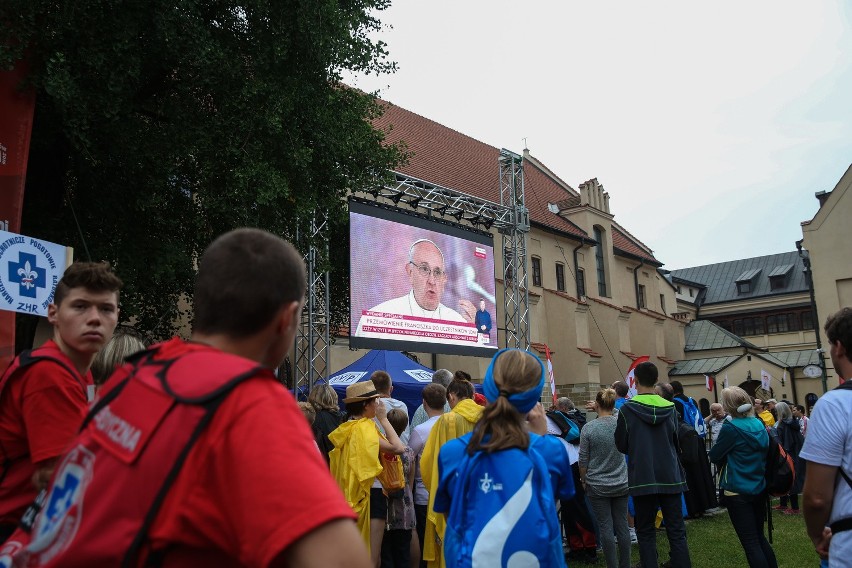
(633, 539)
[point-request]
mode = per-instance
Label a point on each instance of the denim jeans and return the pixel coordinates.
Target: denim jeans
(646, 513)
(747, 514)
(611, 512)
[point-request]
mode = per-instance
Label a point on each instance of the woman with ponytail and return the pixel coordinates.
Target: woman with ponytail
(497, 484)
(603, 474)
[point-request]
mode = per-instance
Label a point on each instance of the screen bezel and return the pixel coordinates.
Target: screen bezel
(413, 219)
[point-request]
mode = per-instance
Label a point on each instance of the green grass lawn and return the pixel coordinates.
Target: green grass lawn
(714, 544)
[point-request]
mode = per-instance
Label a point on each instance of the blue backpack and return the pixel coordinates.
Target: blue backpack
(692, 416)
(503, 511)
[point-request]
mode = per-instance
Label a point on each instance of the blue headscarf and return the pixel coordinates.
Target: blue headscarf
(522, 401)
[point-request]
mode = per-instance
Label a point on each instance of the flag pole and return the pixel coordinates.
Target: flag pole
(715, 390)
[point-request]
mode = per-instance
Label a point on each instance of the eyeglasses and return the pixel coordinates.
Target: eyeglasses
(425, 271)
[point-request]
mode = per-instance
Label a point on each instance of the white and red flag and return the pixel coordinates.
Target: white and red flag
(709, 382)
(765, 380)
(550, 373)
(630, 379)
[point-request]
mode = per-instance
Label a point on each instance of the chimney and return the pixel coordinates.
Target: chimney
(822, 197)
(592, 194)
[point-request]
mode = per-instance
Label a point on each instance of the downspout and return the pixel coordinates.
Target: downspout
(636, 281)
(806, 260)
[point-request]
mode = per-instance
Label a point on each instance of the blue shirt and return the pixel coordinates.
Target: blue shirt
(500, 506)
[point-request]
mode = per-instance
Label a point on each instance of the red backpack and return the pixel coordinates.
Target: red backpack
(107, 490)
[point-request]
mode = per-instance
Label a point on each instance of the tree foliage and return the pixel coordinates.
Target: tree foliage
(164, 123)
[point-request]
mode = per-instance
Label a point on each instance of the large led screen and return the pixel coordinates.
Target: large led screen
(419, 284)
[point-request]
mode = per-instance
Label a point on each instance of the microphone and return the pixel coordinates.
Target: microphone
(473, 285)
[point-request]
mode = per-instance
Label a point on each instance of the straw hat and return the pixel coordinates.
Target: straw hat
(365, 390)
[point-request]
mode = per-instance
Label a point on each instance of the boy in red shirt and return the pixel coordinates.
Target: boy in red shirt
(195, 454)
(43, 403)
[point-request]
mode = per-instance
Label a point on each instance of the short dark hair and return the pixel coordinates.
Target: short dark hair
(244, 278)
(462, 375)
(800, 408)
(382, 381)
(646, 374)
(838, 328)
(356, 408)
(677, 387)
(621, 388)
(94, 276)
(399, 420)
(461, 388)
(434, 396)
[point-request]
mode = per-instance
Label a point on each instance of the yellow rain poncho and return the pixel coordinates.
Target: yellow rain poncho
(355, 465)
(455, 423)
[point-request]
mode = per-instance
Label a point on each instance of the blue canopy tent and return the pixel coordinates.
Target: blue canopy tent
(408, 377)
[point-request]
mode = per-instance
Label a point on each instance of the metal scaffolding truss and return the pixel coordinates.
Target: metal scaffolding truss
(419, 194)
(510, 217)
(313, 336)
(515, 292)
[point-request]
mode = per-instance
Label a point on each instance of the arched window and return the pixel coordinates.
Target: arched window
(600, 261)
(536, 271)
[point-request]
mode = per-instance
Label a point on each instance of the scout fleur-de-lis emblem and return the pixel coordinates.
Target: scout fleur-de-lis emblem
(28, 275)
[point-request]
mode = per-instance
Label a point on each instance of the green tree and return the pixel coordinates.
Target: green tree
(162, 124)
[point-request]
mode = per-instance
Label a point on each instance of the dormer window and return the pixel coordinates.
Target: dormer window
(745, 281)
(780, 276)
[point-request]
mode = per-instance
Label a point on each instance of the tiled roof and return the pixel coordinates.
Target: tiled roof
(564, 295)
(721, 278)
(797, 358)
(708, 366)
(700, 335)
(590, 352)
(625, 243)
(568, 203)
(771, 358)
(446, 157)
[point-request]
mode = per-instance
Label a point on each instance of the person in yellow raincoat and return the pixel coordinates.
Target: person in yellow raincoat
(355, 460)
(459, 421)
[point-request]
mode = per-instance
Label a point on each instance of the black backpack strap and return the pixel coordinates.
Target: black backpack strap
(211, 405)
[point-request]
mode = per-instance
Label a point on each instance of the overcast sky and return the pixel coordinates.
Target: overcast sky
(710, 124)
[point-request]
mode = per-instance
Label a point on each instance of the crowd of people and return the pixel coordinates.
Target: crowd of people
(192, 453)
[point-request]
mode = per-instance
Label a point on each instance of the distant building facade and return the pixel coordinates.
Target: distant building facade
(597, 296)
(826, 244)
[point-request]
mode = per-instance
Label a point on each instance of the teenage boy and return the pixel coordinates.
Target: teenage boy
(203, 457)
(647, 432)
(44, 394)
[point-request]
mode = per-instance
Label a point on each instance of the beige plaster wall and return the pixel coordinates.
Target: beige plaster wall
(826, 237)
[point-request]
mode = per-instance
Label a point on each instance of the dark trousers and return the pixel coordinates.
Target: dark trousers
(396, 548)
(420, 512)
(793, 498)
(646, 513)
(747, 515)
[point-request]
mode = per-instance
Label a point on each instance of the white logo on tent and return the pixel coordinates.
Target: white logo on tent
(347, 378)
(419, 375)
